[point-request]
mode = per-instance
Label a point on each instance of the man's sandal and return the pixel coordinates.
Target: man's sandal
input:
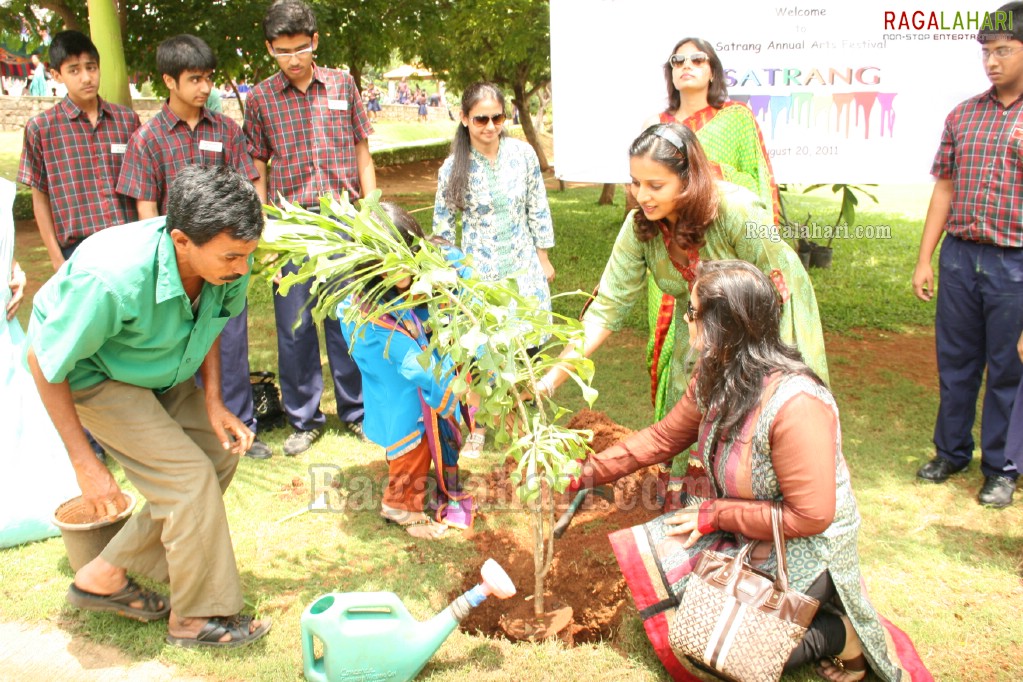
(213, 630)
(154, 605)
(851, 670)
(473, 446)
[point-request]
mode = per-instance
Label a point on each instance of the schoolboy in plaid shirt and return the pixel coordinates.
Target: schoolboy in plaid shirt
(73, 152)
(184, 133)
(978, 203)
(311, 122)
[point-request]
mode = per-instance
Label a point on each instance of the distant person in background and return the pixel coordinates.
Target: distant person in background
(372, 102)
(214, 102)
(977, 204)
(423, 111)
(495, 183)
(38, 87)
(403, 94)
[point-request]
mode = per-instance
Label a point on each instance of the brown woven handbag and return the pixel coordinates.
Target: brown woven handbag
(738, 621)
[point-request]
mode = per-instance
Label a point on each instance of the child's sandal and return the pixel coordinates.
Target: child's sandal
(473, 446)
(424, 528)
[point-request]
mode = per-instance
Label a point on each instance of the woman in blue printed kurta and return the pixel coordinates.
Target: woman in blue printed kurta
(494, 182)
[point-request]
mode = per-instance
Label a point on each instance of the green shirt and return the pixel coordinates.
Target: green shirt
(117, 310)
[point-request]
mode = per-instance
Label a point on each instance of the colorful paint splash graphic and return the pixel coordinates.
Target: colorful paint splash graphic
(848, 112)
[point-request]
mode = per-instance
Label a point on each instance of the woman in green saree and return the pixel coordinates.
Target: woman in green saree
(733, 143)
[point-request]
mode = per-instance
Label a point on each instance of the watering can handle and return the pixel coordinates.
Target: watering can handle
(311, 674)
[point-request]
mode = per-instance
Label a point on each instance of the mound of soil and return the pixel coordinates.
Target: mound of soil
(585, 575)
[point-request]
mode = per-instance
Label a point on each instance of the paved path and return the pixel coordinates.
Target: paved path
(45, 653)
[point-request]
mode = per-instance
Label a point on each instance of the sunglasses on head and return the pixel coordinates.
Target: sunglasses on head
(697, 59)
(482, 121)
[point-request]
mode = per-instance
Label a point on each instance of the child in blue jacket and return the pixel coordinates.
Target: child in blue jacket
(410, 411)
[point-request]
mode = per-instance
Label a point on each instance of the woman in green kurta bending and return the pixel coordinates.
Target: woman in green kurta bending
(686, 216)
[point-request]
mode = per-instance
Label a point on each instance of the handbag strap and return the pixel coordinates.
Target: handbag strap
(781, 582)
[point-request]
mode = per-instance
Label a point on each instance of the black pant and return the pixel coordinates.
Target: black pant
(825, 637)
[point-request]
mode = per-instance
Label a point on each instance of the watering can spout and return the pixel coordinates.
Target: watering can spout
(370, 635)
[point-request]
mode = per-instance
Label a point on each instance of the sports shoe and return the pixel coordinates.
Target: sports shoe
(259, 450)
(300, 441)
(355, 428)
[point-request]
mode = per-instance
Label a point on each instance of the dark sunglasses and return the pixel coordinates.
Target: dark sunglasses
(697, 59)
(692, 313)
(482, 121)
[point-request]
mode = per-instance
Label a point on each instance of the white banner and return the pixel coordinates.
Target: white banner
(851, 92)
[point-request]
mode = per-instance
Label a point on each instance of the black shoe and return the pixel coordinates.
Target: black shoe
(938, 470)
(997, 491)
(259, 450)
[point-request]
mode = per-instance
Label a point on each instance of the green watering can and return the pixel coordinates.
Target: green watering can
(371, 636)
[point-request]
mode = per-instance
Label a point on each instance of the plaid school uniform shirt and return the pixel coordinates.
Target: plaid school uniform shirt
(77, 164)
(981, 151)
(166, 144)
(309, 136)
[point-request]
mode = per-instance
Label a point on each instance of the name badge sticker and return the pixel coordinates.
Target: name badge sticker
(118, 148)
(1017, 133)
(337, 104)
(211, 146)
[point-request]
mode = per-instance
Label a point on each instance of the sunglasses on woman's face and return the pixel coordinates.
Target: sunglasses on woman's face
(691, 313)
(482, 121)
(697, 59)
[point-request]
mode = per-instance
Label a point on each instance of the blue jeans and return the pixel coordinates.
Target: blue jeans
(978, 322)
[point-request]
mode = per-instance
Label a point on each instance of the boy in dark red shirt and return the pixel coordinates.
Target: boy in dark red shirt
(184, 133)
(73, 152)
(311, 122)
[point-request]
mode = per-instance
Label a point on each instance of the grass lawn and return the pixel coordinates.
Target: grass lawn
(939, 566)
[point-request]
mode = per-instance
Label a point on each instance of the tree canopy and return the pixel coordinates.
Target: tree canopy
(506, 42)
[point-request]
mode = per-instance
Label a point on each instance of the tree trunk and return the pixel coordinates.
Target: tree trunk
(356, 72)
(607, 194)
(66, 14)
(544, 94)
(522, 102)
(105, 27)
(238, 96)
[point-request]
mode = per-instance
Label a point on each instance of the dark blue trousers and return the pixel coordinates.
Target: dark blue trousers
(235, 387)
(298, 362)
(979, 318)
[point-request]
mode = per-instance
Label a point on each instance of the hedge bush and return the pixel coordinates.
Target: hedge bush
(410, 153)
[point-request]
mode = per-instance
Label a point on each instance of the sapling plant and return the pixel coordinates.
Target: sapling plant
(487, 329)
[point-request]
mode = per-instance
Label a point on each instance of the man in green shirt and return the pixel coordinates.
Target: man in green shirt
(116, 336)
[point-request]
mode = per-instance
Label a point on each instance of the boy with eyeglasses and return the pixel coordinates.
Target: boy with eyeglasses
(978, 203)
(184, 132)
(310, 122)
